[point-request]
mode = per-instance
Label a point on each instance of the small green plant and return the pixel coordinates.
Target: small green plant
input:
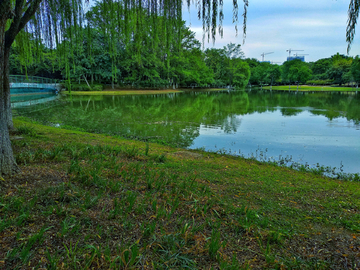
(97, 87)
(26, 130)
(131, 152)
(116, 209)
(129, 256)
(52, 260)
(214, 244)
(25, 157)
(149, 228)
(131, 198)
(146, 149)
(159, 158)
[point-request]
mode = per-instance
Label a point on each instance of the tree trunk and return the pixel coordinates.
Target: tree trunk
(6, 84)
(7, 162)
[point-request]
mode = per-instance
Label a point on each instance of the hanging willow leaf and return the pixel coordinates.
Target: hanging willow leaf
(353, 15)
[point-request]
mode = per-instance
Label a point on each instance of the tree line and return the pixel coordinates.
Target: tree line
(98, 58)
(335, 70)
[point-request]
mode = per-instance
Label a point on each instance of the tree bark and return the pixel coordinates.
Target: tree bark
(6, 85)
(7, 161)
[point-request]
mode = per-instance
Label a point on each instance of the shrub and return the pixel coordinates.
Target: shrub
(97, 87)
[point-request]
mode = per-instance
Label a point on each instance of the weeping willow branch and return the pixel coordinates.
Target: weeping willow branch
(353, 15)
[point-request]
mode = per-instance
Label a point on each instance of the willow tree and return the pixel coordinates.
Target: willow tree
(57, 22)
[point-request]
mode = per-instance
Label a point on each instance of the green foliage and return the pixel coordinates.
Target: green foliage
(85, 87)
(355, 69)
(26, 130)
(295, 71)
(227, 66)
(339, 70)
(239, 72)
(264, 72)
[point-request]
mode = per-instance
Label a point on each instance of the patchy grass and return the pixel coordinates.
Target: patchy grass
(307, 88)
(90, 201)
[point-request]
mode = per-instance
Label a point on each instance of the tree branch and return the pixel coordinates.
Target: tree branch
(5, 8)
(19, 22)
(353, 14)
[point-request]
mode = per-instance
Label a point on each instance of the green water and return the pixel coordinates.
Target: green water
(309, 128)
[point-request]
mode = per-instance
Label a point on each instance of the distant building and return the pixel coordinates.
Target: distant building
(265, 62)
(302, 58)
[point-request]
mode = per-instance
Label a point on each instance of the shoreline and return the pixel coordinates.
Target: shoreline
(121, 92)
(306, 88)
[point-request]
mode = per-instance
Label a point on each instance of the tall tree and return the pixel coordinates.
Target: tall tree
(295, 71)
(355, 70)
(339, 68)
(14, 15)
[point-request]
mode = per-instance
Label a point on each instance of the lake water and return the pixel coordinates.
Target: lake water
(308, 128)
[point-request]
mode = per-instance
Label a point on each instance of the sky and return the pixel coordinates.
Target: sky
(318, 27)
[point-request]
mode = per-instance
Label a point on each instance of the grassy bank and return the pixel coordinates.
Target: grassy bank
(307, 88)
(121, 92)
(90, 201)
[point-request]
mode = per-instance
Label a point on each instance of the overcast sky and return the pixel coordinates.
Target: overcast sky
(317, 27)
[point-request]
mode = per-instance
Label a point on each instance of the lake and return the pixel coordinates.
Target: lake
(305, 128)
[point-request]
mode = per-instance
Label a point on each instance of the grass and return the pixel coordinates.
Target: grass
(90, 201)
(307, 88)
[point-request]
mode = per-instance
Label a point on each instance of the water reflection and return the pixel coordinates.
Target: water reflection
(309, 127)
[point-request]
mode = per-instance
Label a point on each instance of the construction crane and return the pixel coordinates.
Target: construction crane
(263, 55)
(290, 50)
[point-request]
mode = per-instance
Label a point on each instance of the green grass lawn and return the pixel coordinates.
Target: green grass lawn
(307, 88)
(90, 201)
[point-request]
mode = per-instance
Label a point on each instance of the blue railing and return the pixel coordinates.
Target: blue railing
(31, 90)
(32, 79)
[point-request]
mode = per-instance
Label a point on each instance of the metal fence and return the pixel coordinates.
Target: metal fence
(32, 79)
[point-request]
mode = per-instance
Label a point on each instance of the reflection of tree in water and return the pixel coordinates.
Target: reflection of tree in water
(290, 111)
(329, 105)
(176, 118)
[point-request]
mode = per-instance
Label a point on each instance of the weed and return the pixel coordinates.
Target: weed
(26, 130)
(159, 158)
(131, 152)
(24, 252)
(148, 228)
(116, 209)
(24, 157)
(90, 201)
(146, 149)
(131, 198)
(214, 244)
(52, 260)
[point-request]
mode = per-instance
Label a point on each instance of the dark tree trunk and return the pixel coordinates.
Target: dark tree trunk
(8, 110)
(7, 162)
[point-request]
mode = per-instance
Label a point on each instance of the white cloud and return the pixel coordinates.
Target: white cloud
(317, 27)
